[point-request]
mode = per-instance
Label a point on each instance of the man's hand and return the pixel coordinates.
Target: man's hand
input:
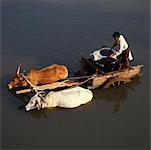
(113, 56)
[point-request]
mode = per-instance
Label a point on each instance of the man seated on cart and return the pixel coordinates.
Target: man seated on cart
(122, 51)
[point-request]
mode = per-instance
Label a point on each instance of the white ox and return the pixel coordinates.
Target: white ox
(68, 98)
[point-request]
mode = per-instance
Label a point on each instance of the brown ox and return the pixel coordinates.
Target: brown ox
(46, 75)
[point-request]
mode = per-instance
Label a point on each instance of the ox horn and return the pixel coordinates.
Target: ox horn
(18, 69)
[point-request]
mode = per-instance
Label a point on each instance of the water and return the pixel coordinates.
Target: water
(40, 33)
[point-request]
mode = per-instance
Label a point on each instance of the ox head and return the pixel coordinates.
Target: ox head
(18, 80)
(35, 102)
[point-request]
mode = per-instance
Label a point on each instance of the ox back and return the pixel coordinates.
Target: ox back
(47, 75)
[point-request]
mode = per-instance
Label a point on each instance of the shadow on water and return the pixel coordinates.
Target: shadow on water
(116, 95)
(44, 113)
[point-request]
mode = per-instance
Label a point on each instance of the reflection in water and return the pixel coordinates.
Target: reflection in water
(44, 113)
(116, 95)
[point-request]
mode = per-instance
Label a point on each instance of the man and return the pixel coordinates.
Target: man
(121, 50)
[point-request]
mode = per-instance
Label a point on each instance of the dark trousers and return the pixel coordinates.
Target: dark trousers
(124, 59)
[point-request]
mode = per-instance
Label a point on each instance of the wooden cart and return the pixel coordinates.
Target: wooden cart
(111, 78)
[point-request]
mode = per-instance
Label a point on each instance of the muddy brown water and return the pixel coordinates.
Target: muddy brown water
(40, 33)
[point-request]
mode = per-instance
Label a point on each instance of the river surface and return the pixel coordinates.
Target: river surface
(38, 33)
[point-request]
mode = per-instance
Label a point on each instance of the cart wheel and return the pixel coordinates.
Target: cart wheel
(116, 81)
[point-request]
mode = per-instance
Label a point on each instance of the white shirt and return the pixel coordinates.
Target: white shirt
(121, 45)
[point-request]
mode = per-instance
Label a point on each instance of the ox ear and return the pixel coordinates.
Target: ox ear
(18, 69)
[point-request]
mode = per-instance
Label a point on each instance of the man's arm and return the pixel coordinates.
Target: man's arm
(121, 48)
(118, 52)
(114, 54)
(114, 45)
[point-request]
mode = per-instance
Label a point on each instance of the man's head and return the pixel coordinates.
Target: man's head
(116, 35)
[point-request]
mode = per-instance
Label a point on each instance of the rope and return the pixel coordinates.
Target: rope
(34, 87)
(87, 80)
(27, 80)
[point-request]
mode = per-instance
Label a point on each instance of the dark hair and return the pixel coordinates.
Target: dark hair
(116, 34)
